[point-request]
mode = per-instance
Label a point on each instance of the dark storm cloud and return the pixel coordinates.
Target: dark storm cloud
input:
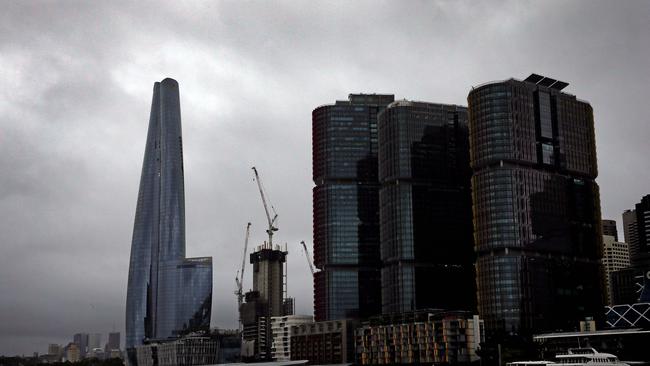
(75, 92)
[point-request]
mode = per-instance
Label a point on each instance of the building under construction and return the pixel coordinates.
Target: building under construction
(266, 300)
(269, 295)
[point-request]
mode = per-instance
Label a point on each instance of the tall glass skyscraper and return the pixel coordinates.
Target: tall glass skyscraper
(536, 206)
(425, 207)
(346, 207)
(167, 294)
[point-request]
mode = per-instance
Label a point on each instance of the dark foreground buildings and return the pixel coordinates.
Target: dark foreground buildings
(168, 295)
(425, 208)
(346, 206)
(632, 285)
(536, 207)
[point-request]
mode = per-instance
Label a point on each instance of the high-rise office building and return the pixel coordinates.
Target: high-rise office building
(609, 228)
(167, 294)
(536, 206)
(425, 208)
(346, 207)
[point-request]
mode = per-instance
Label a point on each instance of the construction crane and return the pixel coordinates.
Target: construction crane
(239, 279)
(271, 221)
(311, 266)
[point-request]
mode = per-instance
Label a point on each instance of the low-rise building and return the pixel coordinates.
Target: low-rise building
(281, 334)
(423, 336)
(327, 342)
(72, 353)
(202, 348)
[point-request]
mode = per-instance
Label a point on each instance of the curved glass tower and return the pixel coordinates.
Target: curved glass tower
(167, 294)
(536, 206)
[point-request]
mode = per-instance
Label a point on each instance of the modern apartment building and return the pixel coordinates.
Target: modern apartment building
(420, 337)
(323, 343)
(281, 334)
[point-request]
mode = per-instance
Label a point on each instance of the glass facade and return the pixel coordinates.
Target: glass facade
(166, 292)
(536, 208)
(425, 208)
(346, 206)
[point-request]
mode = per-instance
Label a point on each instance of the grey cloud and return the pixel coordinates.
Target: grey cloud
(75, 93)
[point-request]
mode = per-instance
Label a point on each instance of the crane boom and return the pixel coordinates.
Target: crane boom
(311, 266)
(239, 278)
(243, 260)
(270, 220)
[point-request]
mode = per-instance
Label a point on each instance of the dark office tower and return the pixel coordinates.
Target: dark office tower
(427, 248)
(167, 294)
(346, 207)
(609, 228)
(536, 206)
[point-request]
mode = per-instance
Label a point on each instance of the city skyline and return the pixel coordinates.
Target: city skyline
(77, 96)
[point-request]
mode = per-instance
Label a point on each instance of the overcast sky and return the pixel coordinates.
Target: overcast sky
(76, 82)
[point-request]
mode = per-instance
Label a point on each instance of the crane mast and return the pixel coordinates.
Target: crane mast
(270, 220)
(239, 278)
(311, 266)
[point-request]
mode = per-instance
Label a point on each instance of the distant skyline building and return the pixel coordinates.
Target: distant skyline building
(616, 256)
(113, 341)
(536, 207)
(94, 341)
(72, 353)
(167, 294)
(346, 207)
(81, 340)
(425, 207)
(632, 284)
(609, 228)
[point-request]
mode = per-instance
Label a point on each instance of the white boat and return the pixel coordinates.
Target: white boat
(576, 357)
(587, 356)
